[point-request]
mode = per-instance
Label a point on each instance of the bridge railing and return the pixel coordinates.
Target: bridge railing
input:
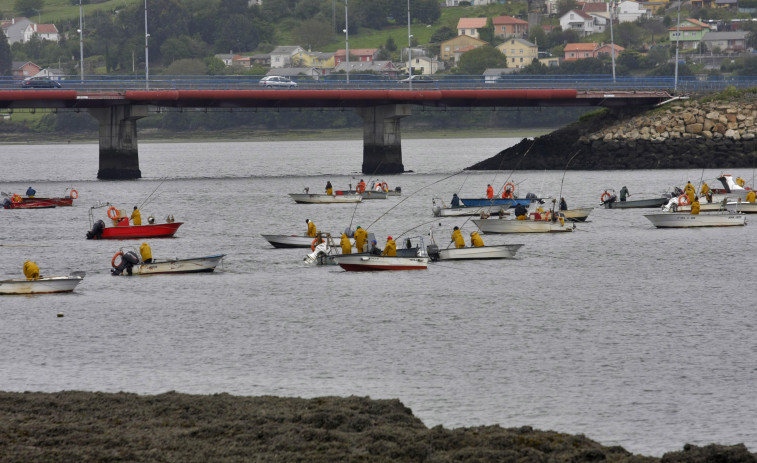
(685, 84)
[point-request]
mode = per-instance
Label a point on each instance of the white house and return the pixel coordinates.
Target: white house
(43, 31)
(426, 65)
(14, 29)
(629, 11)
(583, 23)
(281, 56)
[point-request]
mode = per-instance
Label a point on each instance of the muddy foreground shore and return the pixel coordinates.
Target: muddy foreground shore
(98, 427)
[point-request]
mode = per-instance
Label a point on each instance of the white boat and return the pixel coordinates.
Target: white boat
(522, 226)
(43, 285)
(442, 210)
(502, 251)
(367, 194)
(132, 264)
(725, 205)
(307, 198)
(577, 215)
(367, 262)
(289, 241)
(687, 220)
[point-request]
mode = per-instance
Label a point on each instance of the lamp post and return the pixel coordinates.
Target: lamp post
(409, 51)
(81, 43)
(347, 41)
(147, 53)
(612, 41)
(678, 37)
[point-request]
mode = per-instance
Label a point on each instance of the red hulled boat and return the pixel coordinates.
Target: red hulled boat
(125, 231)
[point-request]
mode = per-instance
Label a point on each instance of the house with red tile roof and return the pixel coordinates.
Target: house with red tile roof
(470, 26)
(576, 51)
(688, 33)
(356, 54)
(43, 31)
(507, 26)
(452, 49)
(606, 49)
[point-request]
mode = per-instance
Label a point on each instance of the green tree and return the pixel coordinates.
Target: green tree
(313, 34)
(6, 60)
(476, 61)
(537, 36)
(186, 67)
(628, 34)
(563, 6)
(214, 66)
(631, 59)
(486, 33)
(657, 55)
(29, 7)
(390, 45)
(442, 34)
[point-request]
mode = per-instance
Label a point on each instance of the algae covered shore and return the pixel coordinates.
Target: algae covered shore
(76, 426)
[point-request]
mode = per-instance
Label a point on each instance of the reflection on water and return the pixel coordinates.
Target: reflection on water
(631, 335)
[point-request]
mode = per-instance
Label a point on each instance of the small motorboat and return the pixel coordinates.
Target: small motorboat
(577, 215)
(127, 261)
(42, 285)
(307, 198)
(610, 201)
(367, 194)
(15, 201)
(502, 251)
(125, 231)
(496, 202)
(688, 220)
(442, 210)
(522, 226)
(290, 241)
(367, 262)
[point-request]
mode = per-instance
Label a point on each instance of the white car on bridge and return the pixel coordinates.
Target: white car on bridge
(277, 81)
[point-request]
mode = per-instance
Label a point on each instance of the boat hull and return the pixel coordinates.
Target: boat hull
(577, 215)
(639, 203)
(465, 211)
(521, 226)
(505, 251)
(44, 285)
(367, 194)
(289, 241)
(685, 220)
(161, 230)
(33, 204)
(482, 202)
(59, 202)
(742, 208)
(305, 198)
(369, 263)
(191, 265)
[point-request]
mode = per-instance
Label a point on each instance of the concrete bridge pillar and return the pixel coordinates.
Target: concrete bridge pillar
(119, 154)
(382, 143)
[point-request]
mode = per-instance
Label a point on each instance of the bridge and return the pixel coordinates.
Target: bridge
(117, 103)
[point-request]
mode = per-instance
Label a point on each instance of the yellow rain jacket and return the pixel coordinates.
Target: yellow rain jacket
(705, 189)
(751, 197)
(740, 181)
(31, 271)
(690, 192)
(136, 217)
(390, 249)
(475, 240)
(146, 252)
(695, 207)
(457, 237)
(361, 236)
(346, 245)
(312, 232)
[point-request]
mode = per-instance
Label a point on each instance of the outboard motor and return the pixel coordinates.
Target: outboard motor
(7, 203)
(97, 231)
(433, 252)
(128, 261)
(398, 189)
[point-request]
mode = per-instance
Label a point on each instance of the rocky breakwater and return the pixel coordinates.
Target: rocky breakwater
(690, 134)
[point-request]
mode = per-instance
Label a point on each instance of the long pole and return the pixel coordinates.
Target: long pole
(81, 43)
(409, 50)
(678, 37)
(347, 40)
(147, 52)
(612, 41)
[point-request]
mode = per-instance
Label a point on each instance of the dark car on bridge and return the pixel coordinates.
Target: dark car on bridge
(40, 82)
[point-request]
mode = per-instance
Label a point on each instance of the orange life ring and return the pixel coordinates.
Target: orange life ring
(115, 256)
(606, 196)
(73, 194)
(16, 198)
(683, 200)
(509, 187)
(115, 213)
(312, 245)
(384, 186)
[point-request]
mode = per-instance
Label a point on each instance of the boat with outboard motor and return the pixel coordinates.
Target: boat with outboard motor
(128, 261)
(42, 285)
(688, 220)
(411, 257)
(501, 251)
(529, 225)
(610, 201)
(440, 209)
(16, 201)
(367, 194)
(123, 230)
(307, 198)
(290, 241)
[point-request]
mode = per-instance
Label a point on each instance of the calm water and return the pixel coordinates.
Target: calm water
(634, 336)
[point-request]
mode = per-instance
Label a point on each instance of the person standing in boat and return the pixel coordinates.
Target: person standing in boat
(312, 232)
(329, 188)
(146, 252)
(136, 217)
(739, 181)
(457, 238)
(751, 197)
(346, 245)
(690, 191)
(390, 250)
(489, 192)
(521, 213)
(455, 200)
(563, 204)
(360, 186)
(375, 250)
(695, 206)
(475, 240)
(30, 192)
(361, 236)
(624, 193)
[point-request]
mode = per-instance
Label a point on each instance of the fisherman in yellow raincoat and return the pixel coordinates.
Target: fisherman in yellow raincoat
(751, 197)
(457, 237)
(31, 271)
(695, 206)
(312, 232)
(740, 182)
(475, 240)
(346, 245)
(705, 192)
(146, 252)
(136, 217)
(361, 236)
(391, 248)
(690, 191)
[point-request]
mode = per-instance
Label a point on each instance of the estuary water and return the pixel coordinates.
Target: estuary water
(631, 335)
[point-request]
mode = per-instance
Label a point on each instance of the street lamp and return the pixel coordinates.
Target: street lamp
(612, 41)
(409, 51)
(678, 36)
(346, 40)
(147, 53)
(81, 43)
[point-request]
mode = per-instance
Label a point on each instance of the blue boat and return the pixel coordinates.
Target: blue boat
(499, 202)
